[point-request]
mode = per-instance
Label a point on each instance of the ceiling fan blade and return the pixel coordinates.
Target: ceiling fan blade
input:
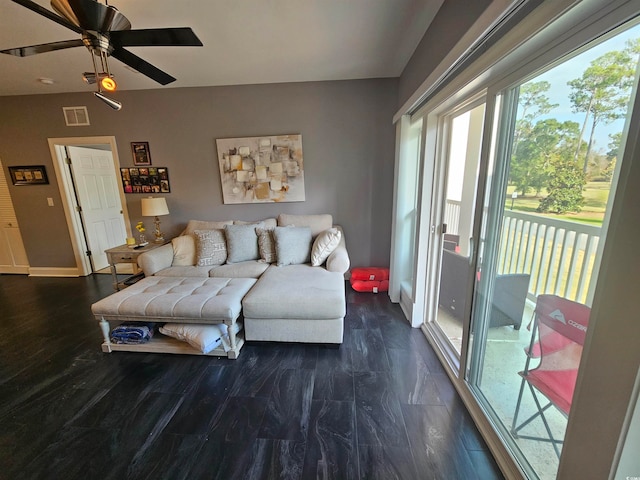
(142, 66)
(42, 48)
(156, 37)
(34, 7)
(91, 15)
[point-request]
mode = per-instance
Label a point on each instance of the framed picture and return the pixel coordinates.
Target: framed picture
(141, 153)
(29, 175)
(145, 180)
(263, 169)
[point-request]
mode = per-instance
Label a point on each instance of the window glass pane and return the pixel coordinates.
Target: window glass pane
(543, 233)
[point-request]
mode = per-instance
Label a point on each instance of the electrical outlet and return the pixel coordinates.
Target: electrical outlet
(50, 201)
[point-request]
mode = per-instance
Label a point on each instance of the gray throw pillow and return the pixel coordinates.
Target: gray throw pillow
(211, 248)
(242, 242)
(293, 245)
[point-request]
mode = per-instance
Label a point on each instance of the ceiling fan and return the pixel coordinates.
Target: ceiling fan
(105, 32)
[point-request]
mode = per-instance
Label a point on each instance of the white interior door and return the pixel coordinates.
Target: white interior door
(13, 257)
(99, 200)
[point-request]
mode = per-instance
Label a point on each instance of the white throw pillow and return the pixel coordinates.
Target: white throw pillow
(201, 337)
(184, 251)
(324, 245)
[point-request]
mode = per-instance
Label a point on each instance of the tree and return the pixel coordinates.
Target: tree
(531, 163)
(534, 103)
(566, 182)
(602, 92)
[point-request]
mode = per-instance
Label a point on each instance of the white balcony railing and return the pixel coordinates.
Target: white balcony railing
(558, 254)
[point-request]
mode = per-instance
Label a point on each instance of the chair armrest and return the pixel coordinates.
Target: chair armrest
(155, 260)
(339, 261)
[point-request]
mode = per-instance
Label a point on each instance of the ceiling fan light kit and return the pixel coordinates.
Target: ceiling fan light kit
(105, 32)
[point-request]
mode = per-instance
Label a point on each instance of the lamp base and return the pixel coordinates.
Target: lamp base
(158, 234)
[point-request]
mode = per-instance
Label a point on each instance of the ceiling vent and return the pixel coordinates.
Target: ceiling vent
(76, 116)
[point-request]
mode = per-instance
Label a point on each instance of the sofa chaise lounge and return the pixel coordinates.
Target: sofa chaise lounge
(293, 269)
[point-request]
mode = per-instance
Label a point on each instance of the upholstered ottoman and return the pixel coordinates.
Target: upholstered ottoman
(296, 303)
(191, 300)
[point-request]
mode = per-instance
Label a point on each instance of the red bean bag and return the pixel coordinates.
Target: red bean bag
(374, 286)
(370, 273)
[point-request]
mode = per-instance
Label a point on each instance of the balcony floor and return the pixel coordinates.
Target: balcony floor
(500, 384)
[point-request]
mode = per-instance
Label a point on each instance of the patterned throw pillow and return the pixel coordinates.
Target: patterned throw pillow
(211, 248)
(266, 245)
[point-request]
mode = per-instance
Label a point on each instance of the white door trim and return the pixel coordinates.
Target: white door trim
(78, 242)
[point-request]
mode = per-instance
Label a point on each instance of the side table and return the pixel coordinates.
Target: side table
(126, 254)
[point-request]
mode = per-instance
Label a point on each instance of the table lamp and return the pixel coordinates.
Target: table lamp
(154, 207)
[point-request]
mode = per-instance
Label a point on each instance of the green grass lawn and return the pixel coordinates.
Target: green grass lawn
(596, 195)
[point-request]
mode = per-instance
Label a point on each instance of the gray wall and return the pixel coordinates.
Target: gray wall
(347, 139)
(451, 22)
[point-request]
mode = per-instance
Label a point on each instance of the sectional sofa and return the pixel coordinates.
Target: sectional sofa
(298, 263)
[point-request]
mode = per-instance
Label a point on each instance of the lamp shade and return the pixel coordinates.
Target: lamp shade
(154, 207)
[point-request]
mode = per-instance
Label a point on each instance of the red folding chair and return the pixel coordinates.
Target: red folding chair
(557, 337)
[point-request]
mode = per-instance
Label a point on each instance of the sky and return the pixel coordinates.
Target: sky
(572, 69)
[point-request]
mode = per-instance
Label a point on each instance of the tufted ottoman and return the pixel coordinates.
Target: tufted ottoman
(194, 300)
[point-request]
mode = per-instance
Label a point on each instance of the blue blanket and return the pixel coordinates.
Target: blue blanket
(132, 333)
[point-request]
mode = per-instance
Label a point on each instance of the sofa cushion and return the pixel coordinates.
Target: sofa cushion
(248, 269)
(293, 245)
(184, 250)
(267, 222)
(317, 223)
(194, 225)
(266, 245)
(211, 247)
(242, 242)
(324, 245)
(184, 271)
(296, 292)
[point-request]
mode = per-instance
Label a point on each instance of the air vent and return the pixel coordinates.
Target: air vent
(76, 116)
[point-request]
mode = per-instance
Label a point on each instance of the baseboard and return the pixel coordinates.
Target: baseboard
(53, 272)
(14, 270)
(406, 304)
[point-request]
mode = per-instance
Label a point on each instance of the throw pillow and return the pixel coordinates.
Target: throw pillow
(211, 248)
(293, 245)
(242, 242)
(324, 245)
(184, 250)
(266, 245)
(201, 337)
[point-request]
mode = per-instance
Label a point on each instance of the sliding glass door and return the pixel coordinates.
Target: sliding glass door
(559, 138)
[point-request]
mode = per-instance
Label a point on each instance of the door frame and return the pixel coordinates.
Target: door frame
(67, 193)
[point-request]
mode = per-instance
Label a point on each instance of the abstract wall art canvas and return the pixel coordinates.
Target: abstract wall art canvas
(261, 169)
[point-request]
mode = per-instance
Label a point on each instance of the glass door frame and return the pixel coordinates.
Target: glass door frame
(440, 120)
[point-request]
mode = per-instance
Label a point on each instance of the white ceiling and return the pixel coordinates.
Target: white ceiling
(245, 42)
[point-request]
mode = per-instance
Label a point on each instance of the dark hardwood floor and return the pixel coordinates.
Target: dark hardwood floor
(378, 407)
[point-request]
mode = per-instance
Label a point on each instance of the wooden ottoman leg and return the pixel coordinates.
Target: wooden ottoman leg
(104, 326)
